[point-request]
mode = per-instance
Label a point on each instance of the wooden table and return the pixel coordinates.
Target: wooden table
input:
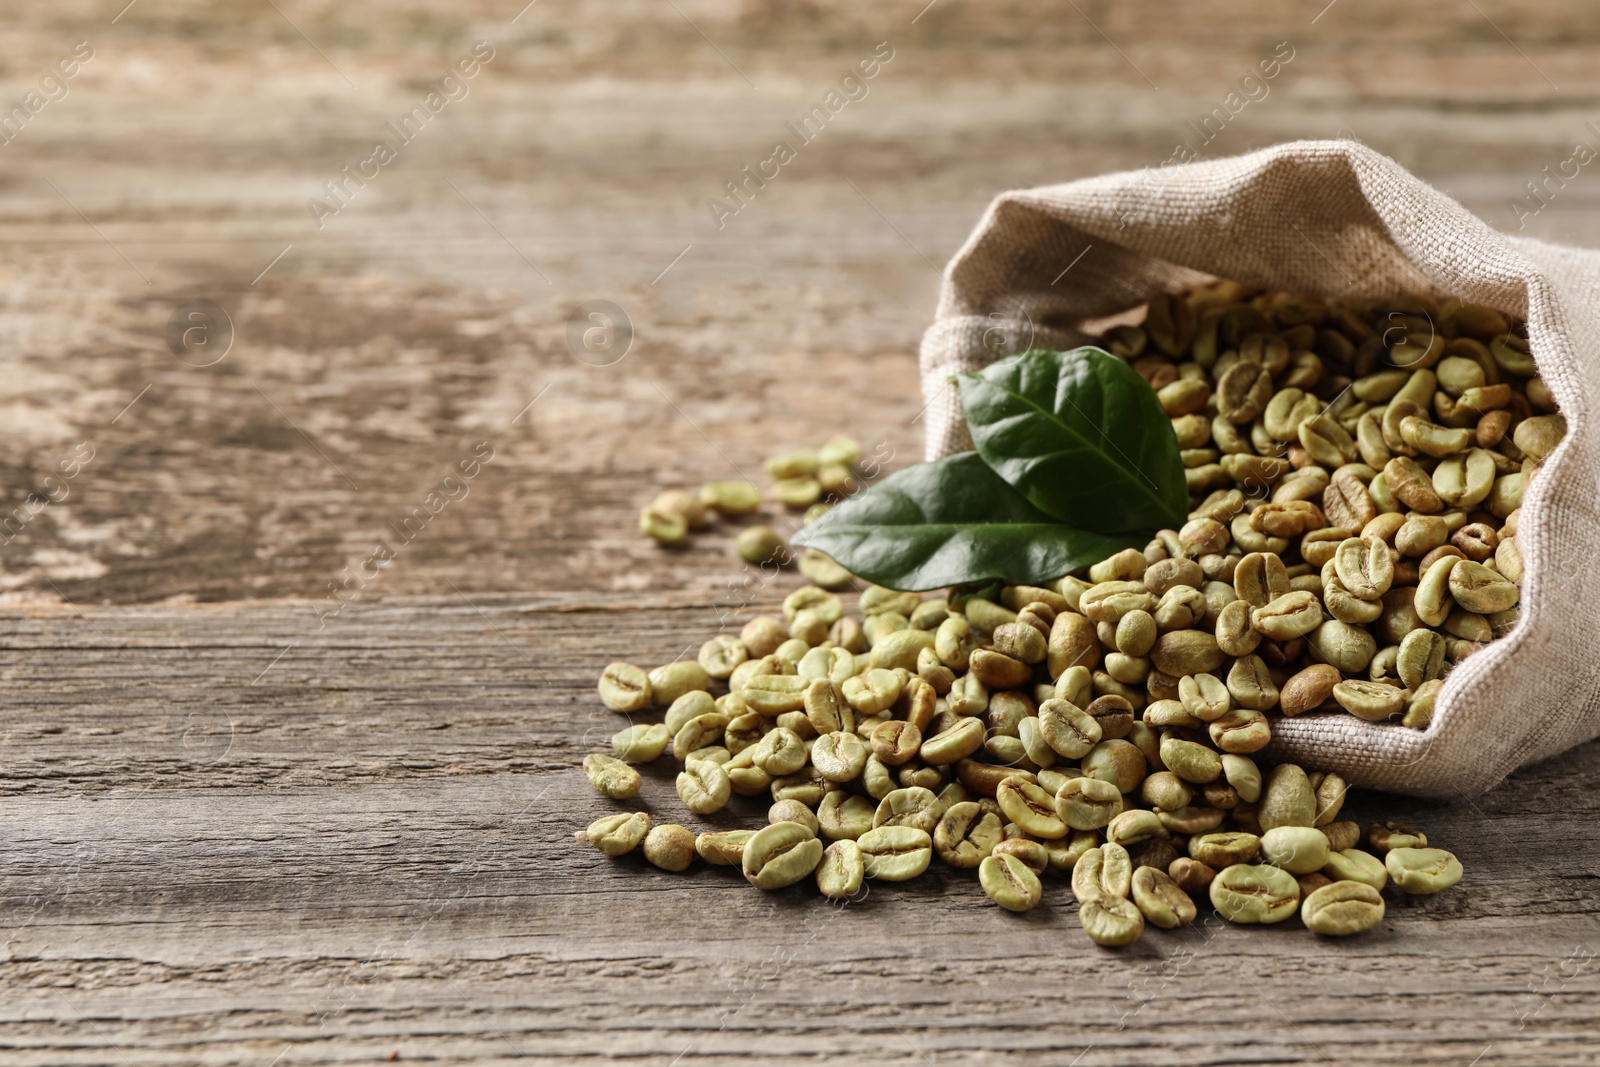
(266, 801)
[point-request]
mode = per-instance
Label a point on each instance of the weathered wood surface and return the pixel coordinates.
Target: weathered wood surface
(231, 831)
(369, 848)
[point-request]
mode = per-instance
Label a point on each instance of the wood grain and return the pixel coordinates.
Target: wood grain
(369, 848)
(237, 826)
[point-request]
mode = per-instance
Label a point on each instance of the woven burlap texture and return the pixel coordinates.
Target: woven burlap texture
(1338, 219)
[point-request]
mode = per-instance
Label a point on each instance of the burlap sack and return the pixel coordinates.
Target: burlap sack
(1337, 219)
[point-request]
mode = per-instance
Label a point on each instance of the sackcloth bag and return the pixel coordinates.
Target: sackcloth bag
(1336, 219)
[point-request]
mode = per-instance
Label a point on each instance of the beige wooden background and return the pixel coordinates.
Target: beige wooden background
(235, 830)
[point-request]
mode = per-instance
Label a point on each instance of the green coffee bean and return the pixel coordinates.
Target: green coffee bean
(872, 692)
(704, 787)
(877, 779)
(1297, 849)
(1190, 820)
(730, 498)
(912, 806)
(954, 743)
(1341, 835)
(717, 754)
(1191, 875)
(842, 816)
(986, 615)
(1421, 658)
(895, 853)
(843, 451)
(1288, 799)
(1031, 807)
(953, 642)
(611, 777)
(839, 756)
(1135, 827)
(1477, 588)
(1341, 909)
(1383, 836)
(1009, 882)
(641, 743)
(1189, 760)
(1353, 865)
(1103, 871)
(1420, 871)
(780, 855)
(1243, 775)
(796, 492)
(1365, 567)
(1241, 731)
(1250, 685)
(1346, 647)
(826, 707)
(1075, 686)
(1433, 600)
(997, 670)
(1020, 641)
(1160, 899)
(1110, 920)
(616, 834)
(624, 687)
(745, 777)
(689, 706)
(1067, 729)
(1330, 790)
(965, 834)
(773, 694)
(1204, 696)
(895, 742)
(1225, 849)
(827, 663)
(1116, 761)
(1113, 713)
(1088, 803)
(723, 848)
(1064, 854)
(1136, 633)
(1464, 480)
(669, 682)
(760, 546)
(698, 733)
(821, 569)
(793, 811)
(1181, 652)
(1289, 616)
(878, 600)
(1033, 854)
(900, 649)
(1254, 893)
(720, 655)
(1166, 791)
(841, 870)
(935, 673)
(1372, 701)
(780, 752)
(669, 846)
(824, 604)
(664, 527)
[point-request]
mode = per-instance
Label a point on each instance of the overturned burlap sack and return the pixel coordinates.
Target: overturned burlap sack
(1337, 219)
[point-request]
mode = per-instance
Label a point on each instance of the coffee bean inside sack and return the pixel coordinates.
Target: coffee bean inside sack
(1071, 711)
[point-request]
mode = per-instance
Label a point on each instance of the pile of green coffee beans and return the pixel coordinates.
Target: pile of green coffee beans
(923, 728)
(806, 480)
(1355, 471)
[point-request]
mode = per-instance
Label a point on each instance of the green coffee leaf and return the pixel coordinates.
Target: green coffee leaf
(948, 522)
(1082, 436)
